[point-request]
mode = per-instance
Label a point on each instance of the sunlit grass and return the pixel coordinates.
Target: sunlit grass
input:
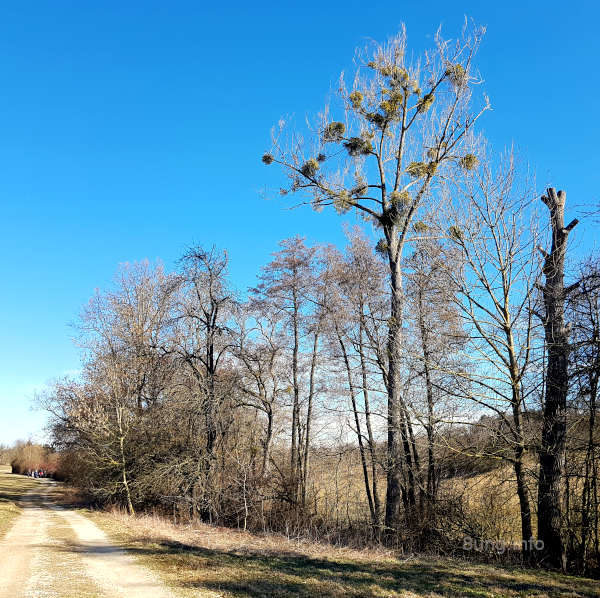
(208, 561)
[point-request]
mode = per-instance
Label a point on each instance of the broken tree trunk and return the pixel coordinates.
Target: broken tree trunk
(552, 450)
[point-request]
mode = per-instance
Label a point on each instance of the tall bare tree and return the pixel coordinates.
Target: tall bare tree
(495, 233)
(365, 295)
(261, 350)
(435, 356)
(405, 125)
(202, 342)
(286, 284)
(584, 313)
(345, 308)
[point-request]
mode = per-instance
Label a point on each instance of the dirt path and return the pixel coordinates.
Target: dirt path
(52, 552)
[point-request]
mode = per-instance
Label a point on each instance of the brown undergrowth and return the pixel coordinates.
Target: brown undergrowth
(202, 560)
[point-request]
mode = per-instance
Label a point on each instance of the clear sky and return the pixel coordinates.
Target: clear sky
(130, 130)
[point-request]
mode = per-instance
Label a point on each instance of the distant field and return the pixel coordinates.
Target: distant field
(490, 498)
(208, 561)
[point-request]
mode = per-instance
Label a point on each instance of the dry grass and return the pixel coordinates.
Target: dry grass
(491, 500)
(12, 489)
(209, 561)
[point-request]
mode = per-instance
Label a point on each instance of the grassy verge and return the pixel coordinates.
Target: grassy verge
(12, 489)
(210, 561)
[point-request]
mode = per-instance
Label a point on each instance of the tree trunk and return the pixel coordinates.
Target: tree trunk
(525, 507)
(309, 408)
(267, 441)
(430, 485)
(361, 448)
(295, 449)
(370, 437)
(519, 451)
(552, 450)
(124, 479)
(397, 436)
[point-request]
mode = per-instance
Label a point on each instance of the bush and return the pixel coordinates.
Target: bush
(27, 456)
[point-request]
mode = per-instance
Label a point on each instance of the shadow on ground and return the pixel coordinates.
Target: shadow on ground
(252, 575)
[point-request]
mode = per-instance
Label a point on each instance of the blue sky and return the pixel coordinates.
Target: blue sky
(130, 130)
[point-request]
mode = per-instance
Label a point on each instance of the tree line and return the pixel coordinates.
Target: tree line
(349, 390)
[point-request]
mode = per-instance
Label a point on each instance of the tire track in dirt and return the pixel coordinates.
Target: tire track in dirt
(55, 552)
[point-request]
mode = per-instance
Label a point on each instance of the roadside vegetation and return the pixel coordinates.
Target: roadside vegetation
(203, 560)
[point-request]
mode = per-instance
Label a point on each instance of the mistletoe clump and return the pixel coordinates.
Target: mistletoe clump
(343, 201)
(457, 75)
(434, 152)
(356, 98)
(267, 158)
(310, 168)
(426, 102)
(400, 198)
(378, 119)
(392, 104)
(420, 227)
(469, 162)
(358, 146)
(421, 169)
(334, 131)
(397, 76)
(455, 233)
(382, 246)
(416, 169)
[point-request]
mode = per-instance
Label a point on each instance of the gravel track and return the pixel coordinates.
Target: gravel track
(55, 552)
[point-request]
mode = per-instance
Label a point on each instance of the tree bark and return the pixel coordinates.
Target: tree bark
(525, 508)
(519, 451)
(267, 441)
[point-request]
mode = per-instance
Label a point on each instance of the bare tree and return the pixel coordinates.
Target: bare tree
(346, 346)
(123, 376)
(407, 124)
(496, 236)
(202, 342)
(261, 351)
(434, 357)
(584, 313)
(365, 295)
(286, 284)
